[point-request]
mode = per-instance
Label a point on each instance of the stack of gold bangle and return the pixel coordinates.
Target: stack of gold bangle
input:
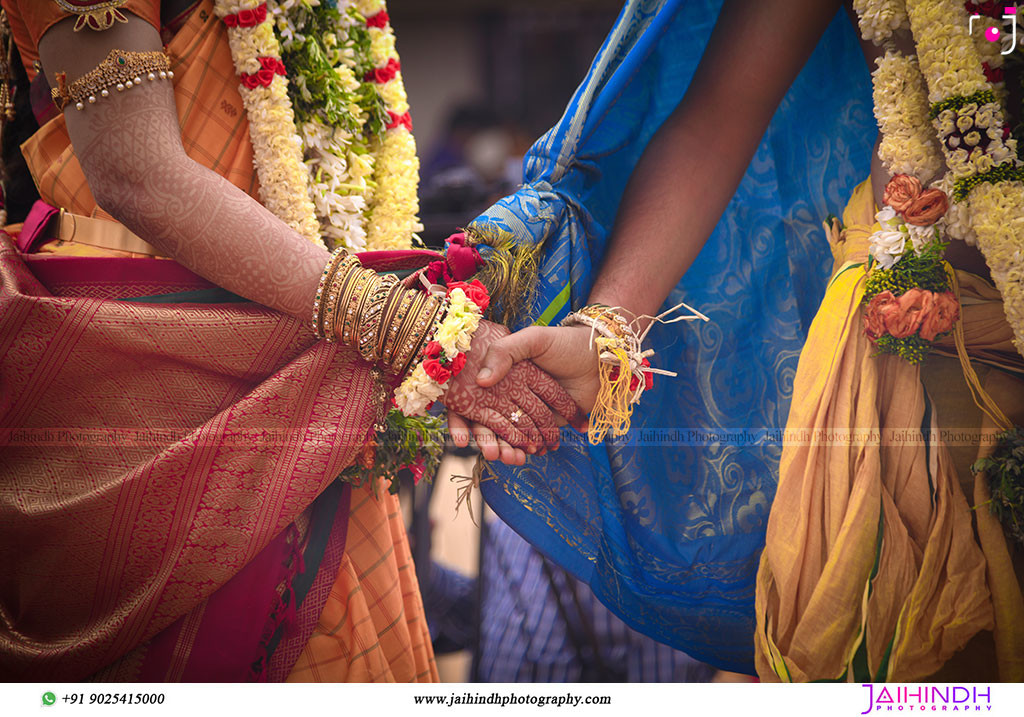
(374, 314)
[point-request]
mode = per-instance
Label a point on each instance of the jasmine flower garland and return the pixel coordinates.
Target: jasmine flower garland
(277, 154)
(987, 173)
(393, 205)
(334, 111)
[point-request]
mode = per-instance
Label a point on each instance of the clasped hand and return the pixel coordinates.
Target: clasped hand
(517, 389)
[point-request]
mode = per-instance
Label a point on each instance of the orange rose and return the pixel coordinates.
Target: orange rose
(905, 318)
(874, 314)
(944, 313)
(927, 208)
(901, 191)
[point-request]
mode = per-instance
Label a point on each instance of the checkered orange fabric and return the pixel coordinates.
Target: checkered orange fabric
(373, 628)
(214, 128)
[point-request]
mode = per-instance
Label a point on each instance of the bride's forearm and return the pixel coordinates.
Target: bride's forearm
(193, 215)
(129, 145)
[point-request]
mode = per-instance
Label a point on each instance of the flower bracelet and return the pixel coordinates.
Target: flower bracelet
(444, 354)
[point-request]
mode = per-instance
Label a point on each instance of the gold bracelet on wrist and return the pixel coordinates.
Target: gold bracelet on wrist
(371, 316)
(355, 298)
(320, 301)
(390, 344)
(426, 326)
(339, 284)
(407, 336)
(387, 315)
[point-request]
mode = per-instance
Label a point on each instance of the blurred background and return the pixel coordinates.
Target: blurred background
(485, 79)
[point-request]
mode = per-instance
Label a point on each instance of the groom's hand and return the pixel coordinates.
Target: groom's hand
(521, 407)
(566, 353)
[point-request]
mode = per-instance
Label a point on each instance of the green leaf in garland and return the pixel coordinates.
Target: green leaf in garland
(1005, 472)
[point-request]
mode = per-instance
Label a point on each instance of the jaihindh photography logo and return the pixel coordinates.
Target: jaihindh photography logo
(927, 698)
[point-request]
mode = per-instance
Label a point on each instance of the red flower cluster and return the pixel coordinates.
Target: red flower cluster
(247, 18)
(989, 8)
(916, 310)
(380, 75)
(993, 74)
(378, 20)
(634, 383)
(437, 365)
(475, 292)
(269, 66)
(395, 120)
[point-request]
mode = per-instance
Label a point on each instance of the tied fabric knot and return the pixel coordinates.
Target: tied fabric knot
(461, 261)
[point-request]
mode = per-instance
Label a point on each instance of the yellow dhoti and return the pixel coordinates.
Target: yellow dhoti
(872, 568)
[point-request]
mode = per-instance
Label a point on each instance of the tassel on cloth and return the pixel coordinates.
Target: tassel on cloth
(510, 273)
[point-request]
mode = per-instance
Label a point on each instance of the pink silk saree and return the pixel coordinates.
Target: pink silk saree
(168, 504)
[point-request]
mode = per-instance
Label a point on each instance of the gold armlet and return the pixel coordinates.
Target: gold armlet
(121, 71)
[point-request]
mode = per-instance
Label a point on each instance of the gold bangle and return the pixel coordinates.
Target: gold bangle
(318, 304)
(336, 289)
(426, 307)
(122, 70)
(370, 317)
(396, 324)
(352, 303)
(425, 325)
(404, 330)
(390, 307)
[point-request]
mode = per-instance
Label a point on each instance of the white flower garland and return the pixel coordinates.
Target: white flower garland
(989, 177)
(355, 197)
(908, 143)
(393, 204)
(878, 20)
(339, 163)
(277, 152)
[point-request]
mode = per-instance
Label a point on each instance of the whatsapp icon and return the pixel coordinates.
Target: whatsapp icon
(49, 698)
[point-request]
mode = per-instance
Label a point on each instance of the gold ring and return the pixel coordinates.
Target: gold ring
(515, 416)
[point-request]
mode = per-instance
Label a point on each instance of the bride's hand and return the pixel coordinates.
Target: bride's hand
(566, 353)
(520, 406)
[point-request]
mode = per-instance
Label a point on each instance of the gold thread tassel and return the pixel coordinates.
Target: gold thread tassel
(510, 274)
